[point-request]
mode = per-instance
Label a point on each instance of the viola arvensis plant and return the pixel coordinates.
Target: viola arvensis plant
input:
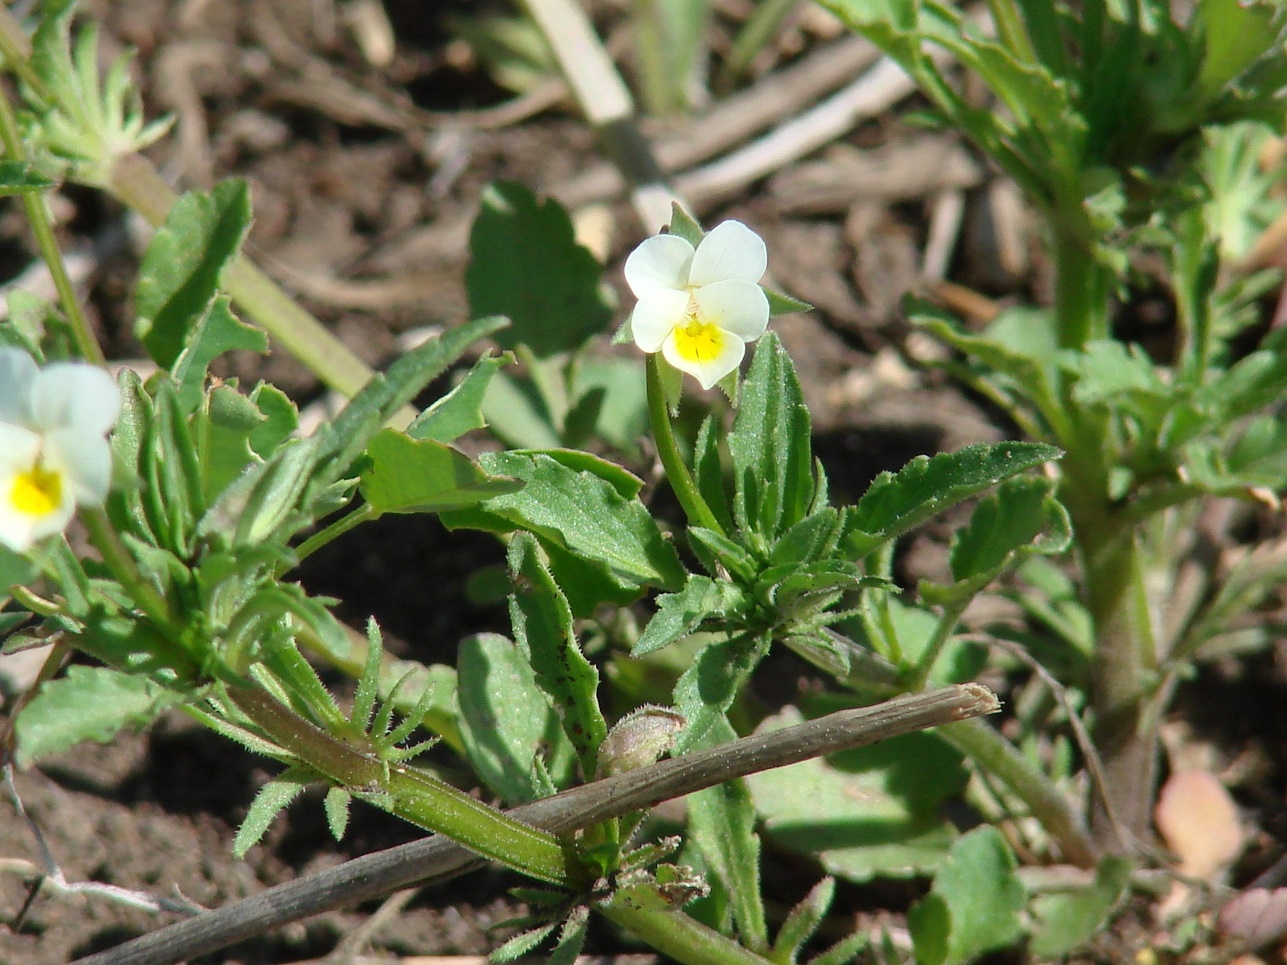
(54, 452)
(700, 306)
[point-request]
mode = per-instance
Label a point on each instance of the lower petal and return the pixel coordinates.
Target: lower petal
(714, 361)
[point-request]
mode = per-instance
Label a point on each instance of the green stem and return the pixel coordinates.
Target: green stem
(679, 937)
(1081, 288)
(334, 531)
(1011, 30)
(996, 755)
(415, 797)
(1122, 678)
(942, 633)
(681, 480)
(33, 203)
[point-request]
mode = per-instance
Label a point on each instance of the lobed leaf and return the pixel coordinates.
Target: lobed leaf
(679, 614)
(88, 704)
(896, 502)
(407, 475)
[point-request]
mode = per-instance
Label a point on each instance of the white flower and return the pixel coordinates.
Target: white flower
(699, 307)
(53, 450)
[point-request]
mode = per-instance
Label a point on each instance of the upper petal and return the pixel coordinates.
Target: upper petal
(740, 307)
(85, 458)
(17, 373)
(659, 263)
(729, 250)
(67, 394)
(656, 316)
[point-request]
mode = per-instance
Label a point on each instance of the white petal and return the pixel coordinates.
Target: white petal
(17, 373)
(85, 458)
(67, 394)
(740, 307)
(656, 316)
(730, 250)
(710, 371)
(659, 263)
(19, 449)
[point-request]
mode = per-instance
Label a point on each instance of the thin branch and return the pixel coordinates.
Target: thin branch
(437, 858)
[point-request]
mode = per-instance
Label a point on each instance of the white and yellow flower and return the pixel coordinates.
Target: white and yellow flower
(700, 306)
(54, 452)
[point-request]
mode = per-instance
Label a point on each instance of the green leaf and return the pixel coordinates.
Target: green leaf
(706, 690)
(518, 415)
(1065, 921)
(897, 502)
(387, 392)
(15, 569)
(581, 512)
(974, 906)
(721, 822)
(770, 445)
(623, 414)
(683, 225)
(679, 614)
(781, 303)
(235, 430)
(263, 503)
(542, 624)
(408, 475)
(461, 409)
(526, 264)
(273, 798)
(336, 805)
(803, 921)
(506, 720)
(866, 813)
(88, 704)
(179, 313)
(18, 177)
(1022, 517)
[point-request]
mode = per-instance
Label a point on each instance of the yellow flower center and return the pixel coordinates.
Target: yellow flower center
(699, 341)
(37, 492)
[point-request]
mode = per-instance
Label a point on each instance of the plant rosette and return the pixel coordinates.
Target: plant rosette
(54, 453)
(700, 306)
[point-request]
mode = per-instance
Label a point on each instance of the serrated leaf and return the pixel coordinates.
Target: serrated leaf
(1065, 921)
(408, 475)
(526, 264)
(866, 813)
(679, 614)
(517, 414)
(1021, 518)
(770, 445)
(273, 798)
(522, 943)
(542, 624)
(975, 904)
(263, 502)
(582, 513)
(88, 704)
(896, 502)
(179, 280)
(506, 720)
(461, 409)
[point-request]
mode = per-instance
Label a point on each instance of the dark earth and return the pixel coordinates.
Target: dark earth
(364, 179)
